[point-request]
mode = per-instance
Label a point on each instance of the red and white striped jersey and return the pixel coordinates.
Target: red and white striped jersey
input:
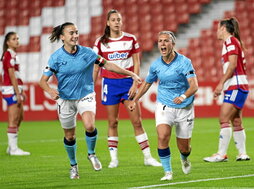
(239, 79)
(10, 60)
(119, 51)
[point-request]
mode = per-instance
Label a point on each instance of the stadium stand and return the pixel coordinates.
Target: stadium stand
(34, 20)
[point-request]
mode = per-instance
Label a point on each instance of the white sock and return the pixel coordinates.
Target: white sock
(144, 145)
(240, 138)
(112, 146)
(12, 141)
(225, 136)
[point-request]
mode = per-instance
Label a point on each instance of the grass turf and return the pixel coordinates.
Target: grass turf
(48, 165)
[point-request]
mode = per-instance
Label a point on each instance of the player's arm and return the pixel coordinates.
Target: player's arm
(193, 88)
(142, 90)
(115, 68)
(14, 83)
(134, 87)
(45, 86)
(96, 69)
(228, 74)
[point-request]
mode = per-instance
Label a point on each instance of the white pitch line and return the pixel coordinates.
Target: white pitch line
(192, 181)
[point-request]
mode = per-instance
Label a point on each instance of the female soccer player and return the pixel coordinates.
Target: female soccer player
(234, 83)
(12, 91)
(123, 49)
(73, 66)
(177, 86)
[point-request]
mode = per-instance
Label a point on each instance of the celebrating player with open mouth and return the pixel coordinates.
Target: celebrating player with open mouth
(177, 86)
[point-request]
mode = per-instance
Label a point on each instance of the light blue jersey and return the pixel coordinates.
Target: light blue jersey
(172, 79)
(74, 72)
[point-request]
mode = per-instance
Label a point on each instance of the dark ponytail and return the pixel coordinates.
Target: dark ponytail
(105, 38)
(232, 27)
(5, 46)
(57, 31)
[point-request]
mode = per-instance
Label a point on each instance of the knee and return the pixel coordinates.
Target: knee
(137, 123)
(237, 122)
(70, 137)
(90, 127)
(163, 138)
(113, 123)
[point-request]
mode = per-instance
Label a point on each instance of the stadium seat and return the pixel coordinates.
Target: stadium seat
(194, 6)
(34, 45)
(57, 3)
(85, 40)
(204, 1)
(23, 18)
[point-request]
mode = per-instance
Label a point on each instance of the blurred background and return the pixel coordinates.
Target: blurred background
(193, 21)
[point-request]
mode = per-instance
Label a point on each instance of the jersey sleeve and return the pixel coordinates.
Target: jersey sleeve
(232, 46)
(135, 47)
(50, 68)
(188, 69)
(152, 76)
(96, 47)
(92, 55)
(8, 62)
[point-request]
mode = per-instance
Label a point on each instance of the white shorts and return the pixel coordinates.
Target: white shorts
(67, 109)
(182, 118)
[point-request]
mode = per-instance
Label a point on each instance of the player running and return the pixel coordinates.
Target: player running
(177, 85)
(73, 66)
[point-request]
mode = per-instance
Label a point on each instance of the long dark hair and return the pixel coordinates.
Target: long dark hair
(232, 27)
(105, 38)
(57, 31)
(6, 38)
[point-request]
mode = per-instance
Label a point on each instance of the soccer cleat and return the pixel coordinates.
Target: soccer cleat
(186, 166)
(74, 172)
(17, 152)
(168, 176)
(95, 162)
(113, 164)
(242, 157)
(152, 162)
(216, 158)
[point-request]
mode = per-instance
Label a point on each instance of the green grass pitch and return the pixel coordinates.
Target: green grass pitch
(48, 166)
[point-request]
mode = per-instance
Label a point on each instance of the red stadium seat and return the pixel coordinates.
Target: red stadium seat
(204, 1)
(194, 6)
(145, 10)
(46, 3)
(57, 3)
(23, 19)
(84, 39)
(34, 44)
(2, 4)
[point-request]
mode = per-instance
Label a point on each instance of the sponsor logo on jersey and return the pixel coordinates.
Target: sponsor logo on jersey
(117, 55)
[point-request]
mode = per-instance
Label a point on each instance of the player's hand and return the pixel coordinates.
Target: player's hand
(132, 105)
(19, 99)
(23, 96)
(218, 90)
(136, 78)
(178, 100)
(54, 94)
(133, 91)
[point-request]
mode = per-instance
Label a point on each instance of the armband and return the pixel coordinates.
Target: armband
(190, 73)
(51, 69)
(100, 61)
(183, 96)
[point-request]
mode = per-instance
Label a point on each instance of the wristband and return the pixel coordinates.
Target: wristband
(183, 96)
